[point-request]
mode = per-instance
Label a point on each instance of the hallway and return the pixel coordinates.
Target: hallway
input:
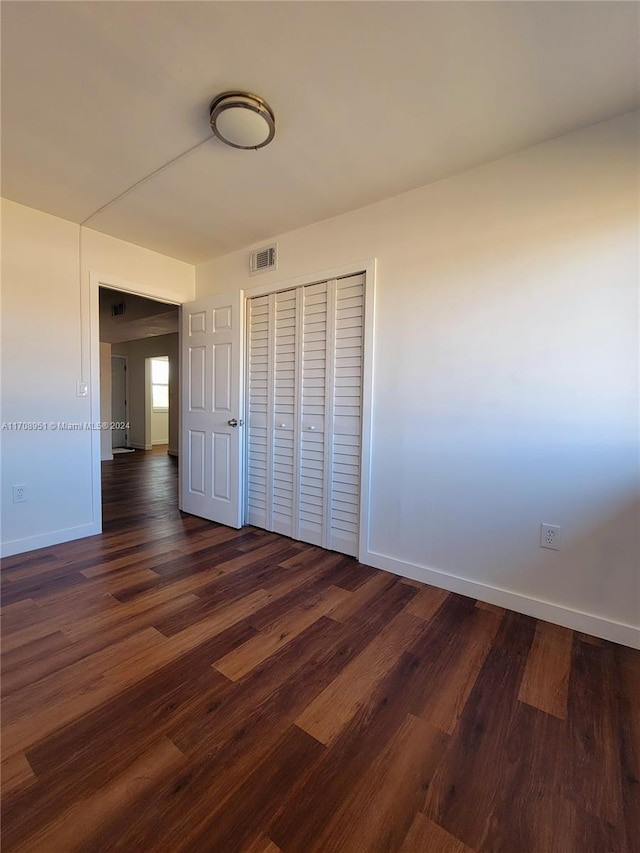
(138, 486)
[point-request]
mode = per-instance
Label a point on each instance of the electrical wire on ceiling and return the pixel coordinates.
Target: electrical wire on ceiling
(101, 209)
(145, 179)
(238, 119)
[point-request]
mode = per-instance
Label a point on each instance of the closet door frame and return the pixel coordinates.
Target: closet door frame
(368, 268)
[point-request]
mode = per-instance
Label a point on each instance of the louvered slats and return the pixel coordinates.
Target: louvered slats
(347, 355)
(304, 412)
(313, 398)
(258, 399)
(284, 398)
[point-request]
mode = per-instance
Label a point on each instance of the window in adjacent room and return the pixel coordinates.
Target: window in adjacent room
(160, 384)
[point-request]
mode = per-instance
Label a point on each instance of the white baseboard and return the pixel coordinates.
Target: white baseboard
(172, 451)
(108, 458)
(137, 446)
(44, 540)
(156, 443)
(588, 623)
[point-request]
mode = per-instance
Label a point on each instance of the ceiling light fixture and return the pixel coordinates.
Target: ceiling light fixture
(242, 120)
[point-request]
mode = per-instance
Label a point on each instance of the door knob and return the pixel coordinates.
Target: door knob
(234, 422)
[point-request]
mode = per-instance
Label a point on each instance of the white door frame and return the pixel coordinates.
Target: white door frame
(96, 281)
(368, 267)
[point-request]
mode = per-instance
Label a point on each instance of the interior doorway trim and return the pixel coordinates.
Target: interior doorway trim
(368, 267)
(96, 281)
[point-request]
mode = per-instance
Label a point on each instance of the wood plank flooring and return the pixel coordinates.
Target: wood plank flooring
(174, 685)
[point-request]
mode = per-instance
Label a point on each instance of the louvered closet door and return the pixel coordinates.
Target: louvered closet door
(284, 412)
(304, 412)
(313, 488)
(345, 403)
(258, 411)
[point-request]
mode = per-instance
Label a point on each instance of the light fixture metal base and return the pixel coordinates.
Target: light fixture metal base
(237, 100)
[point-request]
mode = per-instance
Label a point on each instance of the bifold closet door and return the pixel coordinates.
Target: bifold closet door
(313, 382)
(259, 403)
(345, 358)
(304, 412)
(283, 417)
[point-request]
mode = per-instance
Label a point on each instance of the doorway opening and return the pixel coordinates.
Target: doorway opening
(139, 378)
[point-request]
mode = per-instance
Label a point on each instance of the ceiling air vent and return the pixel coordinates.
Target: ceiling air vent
(263, 260)
(117, 310)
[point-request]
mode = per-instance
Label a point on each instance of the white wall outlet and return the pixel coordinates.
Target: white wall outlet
(82, 388)
(19, 494)
(550, 536)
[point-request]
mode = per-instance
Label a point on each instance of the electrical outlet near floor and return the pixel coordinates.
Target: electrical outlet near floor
(550, 536)
(19, 494)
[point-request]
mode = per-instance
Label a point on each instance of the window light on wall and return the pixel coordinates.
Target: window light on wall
(160, 384)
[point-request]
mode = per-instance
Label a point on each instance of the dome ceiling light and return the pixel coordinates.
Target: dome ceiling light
(242, 120)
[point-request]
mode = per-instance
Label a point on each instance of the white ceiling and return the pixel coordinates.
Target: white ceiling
(371, 99)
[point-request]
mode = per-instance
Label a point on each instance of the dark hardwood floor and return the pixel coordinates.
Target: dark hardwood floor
(174, 685)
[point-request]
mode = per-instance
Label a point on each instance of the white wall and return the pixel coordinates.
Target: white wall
(140, 434)
(105, 400)
(159, 427)
(148, 273)
(40, 365)
(506, 374)
(46, 347)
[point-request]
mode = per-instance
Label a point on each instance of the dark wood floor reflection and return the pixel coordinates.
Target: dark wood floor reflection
(174, 685)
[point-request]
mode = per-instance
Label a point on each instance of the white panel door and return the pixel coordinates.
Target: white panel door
(211, 446)
(119, 399)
